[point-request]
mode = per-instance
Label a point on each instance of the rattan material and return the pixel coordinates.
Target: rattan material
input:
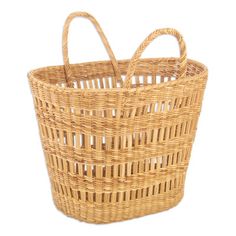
(117, 136)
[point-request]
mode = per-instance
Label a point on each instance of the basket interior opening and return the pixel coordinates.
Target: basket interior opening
(101, 76)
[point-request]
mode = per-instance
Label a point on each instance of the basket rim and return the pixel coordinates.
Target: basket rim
(204, 72)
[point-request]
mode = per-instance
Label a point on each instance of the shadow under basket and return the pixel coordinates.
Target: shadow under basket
(117, 135)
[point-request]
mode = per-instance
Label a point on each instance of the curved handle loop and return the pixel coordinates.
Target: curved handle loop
(166, 31)
(102, 36)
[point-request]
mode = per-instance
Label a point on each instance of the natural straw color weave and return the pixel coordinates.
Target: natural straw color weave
(117, 136)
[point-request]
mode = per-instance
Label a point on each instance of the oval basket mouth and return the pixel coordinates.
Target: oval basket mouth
(166, 69)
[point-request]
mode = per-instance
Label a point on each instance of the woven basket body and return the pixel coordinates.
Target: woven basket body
(118, 147)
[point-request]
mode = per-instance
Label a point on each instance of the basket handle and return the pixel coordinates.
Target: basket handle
(68, 70)
(166, 31)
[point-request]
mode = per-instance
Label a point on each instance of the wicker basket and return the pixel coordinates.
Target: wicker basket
(117, 135)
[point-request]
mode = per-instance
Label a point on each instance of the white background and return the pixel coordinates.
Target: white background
(30, 37)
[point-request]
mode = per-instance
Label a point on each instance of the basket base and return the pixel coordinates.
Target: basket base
(108, 213)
